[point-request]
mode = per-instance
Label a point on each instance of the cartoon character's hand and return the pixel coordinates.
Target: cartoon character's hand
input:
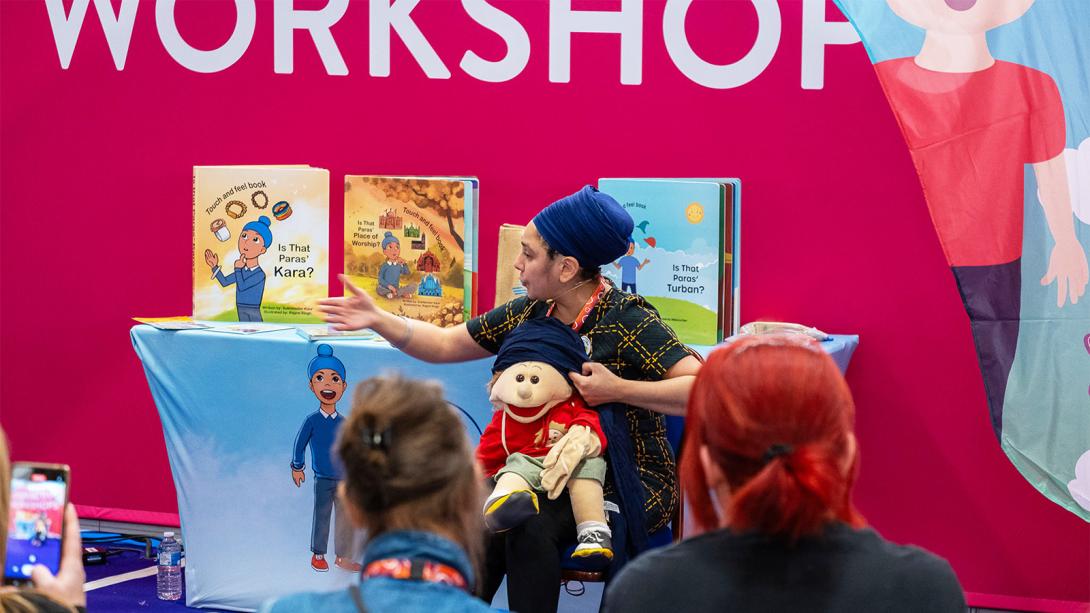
(1067, 266)
(298, 477)
(240, 262)
(579, 443)
(646, 261)
(353, 312)
(211, 259)
(597, 385)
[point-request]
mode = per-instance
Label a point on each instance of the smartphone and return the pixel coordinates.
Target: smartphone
(39, 493)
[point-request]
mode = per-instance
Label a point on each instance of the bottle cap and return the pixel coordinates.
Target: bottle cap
(168, 534)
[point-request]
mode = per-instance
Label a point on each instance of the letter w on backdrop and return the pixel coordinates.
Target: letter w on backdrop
(993, 101)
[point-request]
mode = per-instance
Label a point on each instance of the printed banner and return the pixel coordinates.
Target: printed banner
(992, 97)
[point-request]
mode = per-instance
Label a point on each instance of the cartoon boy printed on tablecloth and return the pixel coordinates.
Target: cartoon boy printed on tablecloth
(319, 431)
(391, 271)
(972, 123)
(629, 265)
(248, 277)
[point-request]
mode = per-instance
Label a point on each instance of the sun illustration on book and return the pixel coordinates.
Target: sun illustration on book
(694, 213)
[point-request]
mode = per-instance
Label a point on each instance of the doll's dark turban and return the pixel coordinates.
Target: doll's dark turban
(545, 340)
(588, 225)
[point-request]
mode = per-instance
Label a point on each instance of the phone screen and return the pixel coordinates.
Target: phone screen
(36, 519)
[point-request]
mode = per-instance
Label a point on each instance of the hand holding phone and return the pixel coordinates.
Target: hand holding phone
(66, 585)
(39, 494)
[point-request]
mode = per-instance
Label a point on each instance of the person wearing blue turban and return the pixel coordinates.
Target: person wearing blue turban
(248, 277)
(326, 375)
(639, 372)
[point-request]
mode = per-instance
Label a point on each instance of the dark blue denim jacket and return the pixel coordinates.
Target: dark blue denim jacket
(385, 594)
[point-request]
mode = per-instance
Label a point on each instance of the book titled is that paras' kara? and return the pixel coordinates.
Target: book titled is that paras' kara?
(260, 243)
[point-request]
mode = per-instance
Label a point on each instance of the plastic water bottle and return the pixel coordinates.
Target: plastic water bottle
(169, 577)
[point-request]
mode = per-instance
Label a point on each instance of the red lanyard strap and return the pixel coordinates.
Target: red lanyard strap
(416, 570)
(592, 302)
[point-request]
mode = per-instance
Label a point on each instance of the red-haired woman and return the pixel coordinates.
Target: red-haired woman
(769, 464)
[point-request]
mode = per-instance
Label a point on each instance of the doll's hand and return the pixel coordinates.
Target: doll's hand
(298, 477)
(597, 385)
(1067, 266)
(578, 444)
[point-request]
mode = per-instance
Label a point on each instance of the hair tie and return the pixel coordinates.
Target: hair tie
(776, 450)
(376, 439)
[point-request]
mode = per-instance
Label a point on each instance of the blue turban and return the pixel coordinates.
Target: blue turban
(261, 226)
(325, 359)
(390, 238)
(547, 340)
(588, 225)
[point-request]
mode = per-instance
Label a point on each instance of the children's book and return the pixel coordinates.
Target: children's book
(260, 243)
(246, 328)
(675, 254)
(471, 281)
(320, 333)
(172, 323)
(405, 243)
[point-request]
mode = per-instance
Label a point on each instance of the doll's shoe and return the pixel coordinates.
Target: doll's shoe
(347, 564)
(594, 545)
(509, 510)
(318, 563)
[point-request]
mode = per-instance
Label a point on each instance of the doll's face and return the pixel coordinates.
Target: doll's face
(534, 386)
(250, 244)
(328, 385)
(959, 16)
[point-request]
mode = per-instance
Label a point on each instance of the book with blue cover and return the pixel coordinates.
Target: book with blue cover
(675, 258)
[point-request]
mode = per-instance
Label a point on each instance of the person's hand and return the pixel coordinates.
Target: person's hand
(353, 312)
(577, 444)
(597, 385)
(67, 585)
(1067, 266)
(211, 259)
(240, 262)
(298, 477)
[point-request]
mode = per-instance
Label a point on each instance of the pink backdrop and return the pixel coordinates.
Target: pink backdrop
(835, 230)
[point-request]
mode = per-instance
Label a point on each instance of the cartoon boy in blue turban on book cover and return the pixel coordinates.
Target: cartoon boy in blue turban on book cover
(319, 431)
(248, 277)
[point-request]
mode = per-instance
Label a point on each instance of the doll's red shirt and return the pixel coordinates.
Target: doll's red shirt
(532, 439)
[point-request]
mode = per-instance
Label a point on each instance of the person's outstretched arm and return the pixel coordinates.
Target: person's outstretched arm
(419, 339)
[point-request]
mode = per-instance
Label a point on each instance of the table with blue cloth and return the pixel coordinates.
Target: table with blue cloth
(231, 407)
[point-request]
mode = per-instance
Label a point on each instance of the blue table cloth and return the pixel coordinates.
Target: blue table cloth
(231, 406)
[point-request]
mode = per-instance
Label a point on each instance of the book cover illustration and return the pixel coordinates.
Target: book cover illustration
(260, 243)
(405, 244)
(674, 254)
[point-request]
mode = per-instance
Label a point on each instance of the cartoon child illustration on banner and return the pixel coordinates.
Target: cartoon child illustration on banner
(319, 431)
(248, 277)
(982, 132)
(972, 122)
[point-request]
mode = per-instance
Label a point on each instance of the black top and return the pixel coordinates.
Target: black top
(845, 570)
(628, 337)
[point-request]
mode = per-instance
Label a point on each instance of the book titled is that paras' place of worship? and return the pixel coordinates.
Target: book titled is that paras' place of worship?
(410, 242)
